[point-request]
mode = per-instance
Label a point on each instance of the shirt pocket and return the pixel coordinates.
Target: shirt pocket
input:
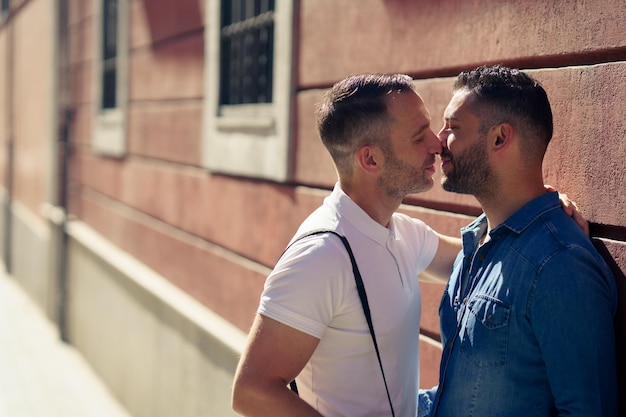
(485, 331)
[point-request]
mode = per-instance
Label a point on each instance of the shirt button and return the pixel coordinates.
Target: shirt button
(481, 257)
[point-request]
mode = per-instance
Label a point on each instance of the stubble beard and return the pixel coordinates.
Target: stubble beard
(401, 179)
(471, 172)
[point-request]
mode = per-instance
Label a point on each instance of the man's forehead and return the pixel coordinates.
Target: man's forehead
(394, 94)
(412, 95)
(459, 98)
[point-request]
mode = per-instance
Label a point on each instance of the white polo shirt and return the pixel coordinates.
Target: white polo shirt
(312, 289)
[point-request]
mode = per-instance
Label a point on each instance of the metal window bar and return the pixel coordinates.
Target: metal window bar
(109, 54)
(247, 50)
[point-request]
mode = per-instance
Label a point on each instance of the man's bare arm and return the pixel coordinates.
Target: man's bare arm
(274, 355)
(440, 268)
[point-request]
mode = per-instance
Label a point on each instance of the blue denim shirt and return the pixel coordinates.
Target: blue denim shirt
(527, 322)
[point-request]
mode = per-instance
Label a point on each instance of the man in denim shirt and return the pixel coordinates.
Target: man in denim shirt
(527, 316)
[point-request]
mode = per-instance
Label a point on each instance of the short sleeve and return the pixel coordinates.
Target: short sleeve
(308, 284)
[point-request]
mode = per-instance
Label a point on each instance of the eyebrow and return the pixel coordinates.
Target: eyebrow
(421, 129)
(424, 127)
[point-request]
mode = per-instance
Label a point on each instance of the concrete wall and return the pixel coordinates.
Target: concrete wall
(160, 351)
(28, 154)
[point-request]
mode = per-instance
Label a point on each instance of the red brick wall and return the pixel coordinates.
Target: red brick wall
(217, 236)
(576, 49)
(26, 102)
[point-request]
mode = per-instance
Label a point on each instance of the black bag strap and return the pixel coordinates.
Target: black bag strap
(362, 295)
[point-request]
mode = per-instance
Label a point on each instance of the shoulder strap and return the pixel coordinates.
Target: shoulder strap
(364, 303)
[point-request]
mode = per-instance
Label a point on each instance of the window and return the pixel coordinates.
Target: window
(4, 7)
(246, 42)
(110, 73)
(109, 53)
(249, 86)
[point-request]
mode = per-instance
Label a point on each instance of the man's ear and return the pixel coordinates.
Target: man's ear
(368, 158)
(502, 136)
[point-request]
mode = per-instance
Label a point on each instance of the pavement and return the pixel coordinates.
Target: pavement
(41, 376)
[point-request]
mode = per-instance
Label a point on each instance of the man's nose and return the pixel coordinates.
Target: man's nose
(442, 136)
(435, 141)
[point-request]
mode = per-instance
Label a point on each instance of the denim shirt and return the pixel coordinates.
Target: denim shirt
(527, 321)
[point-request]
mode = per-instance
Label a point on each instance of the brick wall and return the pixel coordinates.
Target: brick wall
(217, 236)
(575, 48)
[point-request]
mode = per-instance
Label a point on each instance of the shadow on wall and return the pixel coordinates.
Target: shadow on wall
(620, 322)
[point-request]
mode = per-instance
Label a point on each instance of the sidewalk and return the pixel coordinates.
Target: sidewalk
(40, 376)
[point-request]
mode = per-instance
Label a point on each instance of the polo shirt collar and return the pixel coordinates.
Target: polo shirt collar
(358, 218)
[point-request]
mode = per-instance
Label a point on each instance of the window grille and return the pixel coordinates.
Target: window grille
(247, 48)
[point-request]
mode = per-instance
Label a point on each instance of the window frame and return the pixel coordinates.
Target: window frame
(250, 140)
(109, 125)
(5, 8)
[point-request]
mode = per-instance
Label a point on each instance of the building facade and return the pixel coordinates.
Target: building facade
(156, 157)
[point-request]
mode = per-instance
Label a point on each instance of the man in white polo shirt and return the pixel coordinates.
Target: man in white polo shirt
(310, 323)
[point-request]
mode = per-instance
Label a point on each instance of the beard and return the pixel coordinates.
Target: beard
(471, 173)
(401, 179)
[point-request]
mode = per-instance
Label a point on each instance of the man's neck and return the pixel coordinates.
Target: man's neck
(380, 208)
(499, 206)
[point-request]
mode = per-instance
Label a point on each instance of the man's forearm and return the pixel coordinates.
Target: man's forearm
(271, 401)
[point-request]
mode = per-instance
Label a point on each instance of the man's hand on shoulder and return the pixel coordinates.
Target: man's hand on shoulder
(571, 209)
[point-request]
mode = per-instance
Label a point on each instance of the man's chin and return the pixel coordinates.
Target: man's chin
(449, 186)
(422, 188)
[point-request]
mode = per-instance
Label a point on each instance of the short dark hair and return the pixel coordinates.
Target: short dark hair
(354, 112)
(504, 94)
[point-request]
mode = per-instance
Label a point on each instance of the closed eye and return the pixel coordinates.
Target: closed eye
(420, 135)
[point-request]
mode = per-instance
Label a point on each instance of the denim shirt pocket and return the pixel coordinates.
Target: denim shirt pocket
(485, 330)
